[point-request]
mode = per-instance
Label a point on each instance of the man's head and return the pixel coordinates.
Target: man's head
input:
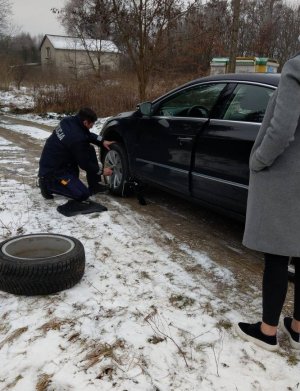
(87, 116)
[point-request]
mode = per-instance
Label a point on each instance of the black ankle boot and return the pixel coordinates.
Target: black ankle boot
(43, 188)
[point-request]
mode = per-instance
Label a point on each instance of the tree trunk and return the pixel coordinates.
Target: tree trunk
(142, 82)
(236, 5)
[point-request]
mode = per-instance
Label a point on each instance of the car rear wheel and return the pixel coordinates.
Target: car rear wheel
(116, 159)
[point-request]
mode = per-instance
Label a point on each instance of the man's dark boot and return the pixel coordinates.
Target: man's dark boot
(43, 188)
(98, 188)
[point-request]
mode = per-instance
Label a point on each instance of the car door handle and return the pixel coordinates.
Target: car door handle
(184, 140)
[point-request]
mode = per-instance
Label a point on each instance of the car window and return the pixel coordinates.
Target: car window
(193, 102)
(248, 103)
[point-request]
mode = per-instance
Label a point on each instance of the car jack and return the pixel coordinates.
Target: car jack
(136, 187)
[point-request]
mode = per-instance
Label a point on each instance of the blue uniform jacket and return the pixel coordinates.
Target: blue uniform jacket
(69, 147)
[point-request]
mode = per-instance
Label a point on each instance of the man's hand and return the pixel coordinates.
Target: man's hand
(107, 144)
(107, 171)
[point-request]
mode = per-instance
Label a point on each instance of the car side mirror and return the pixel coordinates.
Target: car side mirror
(145, 108)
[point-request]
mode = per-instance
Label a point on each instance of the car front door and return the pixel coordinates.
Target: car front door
(165, 140)
(221, 170)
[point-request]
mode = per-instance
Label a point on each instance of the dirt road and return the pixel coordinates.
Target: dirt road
(189, 225)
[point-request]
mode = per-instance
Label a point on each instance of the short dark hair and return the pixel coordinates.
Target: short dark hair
(87, 114)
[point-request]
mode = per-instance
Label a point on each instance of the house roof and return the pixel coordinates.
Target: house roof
(73, 43)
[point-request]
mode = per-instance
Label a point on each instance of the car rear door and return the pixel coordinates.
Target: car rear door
(220, 173)
(165, 140)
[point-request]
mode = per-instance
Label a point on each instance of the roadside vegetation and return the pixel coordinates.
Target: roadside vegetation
(115, 93)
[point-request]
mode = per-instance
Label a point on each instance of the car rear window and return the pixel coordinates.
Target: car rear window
(248, 103)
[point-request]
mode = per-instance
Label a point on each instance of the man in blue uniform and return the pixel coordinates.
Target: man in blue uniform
(67, 150)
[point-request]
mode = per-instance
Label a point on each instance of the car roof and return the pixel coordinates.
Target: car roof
(268, 78)
(263, 78)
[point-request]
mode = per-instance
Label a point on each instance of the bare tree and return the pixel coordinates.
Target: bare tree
(19, 73)
(5, 13)
(287, 31)
(142, 26)
(86, 18)
(138, 26)
(202, 33)
(268, 28)
(236, 5)
(217, 35)
(265, 28)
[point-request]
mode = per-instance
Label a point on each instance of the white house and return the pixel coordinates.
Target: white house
(74, 53)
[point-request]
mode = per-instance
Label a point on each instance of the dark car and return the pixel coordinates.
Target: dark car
(194, 141)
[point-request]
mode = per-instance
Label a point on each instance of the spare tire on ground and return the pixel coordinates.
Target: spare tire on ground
(40, 264)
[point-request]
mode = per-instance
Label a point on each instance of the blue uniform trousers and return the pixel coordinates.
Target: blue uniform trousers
(67, 184)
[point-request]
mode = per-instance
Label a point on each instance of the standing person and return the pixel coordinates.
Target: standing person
(67, 150)
(273, 209)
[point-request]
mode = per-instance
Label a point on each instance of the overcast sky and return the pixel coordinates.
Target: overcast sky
(35, 16)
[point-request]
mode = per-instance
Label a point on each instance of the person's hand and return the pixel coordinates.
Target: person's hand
(107, 171)
(107, 144)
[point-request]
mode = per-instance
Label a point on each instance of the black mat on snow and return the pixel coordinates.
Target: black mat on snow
(73, 208)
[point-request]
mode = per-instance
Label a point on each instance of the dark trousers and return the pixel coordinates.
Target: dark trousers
(92, 178)
(67, 184)
(275, 284)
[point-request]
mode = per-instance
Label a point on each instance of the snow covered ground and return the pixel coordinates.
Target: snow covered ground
(141, 319)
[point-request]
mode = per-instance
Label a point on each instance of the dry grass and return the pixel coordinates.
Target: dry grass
(181, 301)
(293, 359)
(74, 337)
(14, 335)
(55, 324)
(43, 383)
(14, 383)
(103, 350)
(67, 98)
(115, 93)
(224, 324)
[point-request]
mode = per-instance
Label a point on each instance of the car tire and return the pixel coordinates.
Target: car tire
(117, 159)
(40, 264)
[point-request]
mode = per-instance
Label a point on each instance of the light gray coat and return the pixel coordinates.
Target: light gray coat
(273, 208)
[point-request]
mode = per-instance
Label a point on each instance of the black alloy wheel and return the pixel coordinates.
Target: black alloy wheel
(116, 159)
